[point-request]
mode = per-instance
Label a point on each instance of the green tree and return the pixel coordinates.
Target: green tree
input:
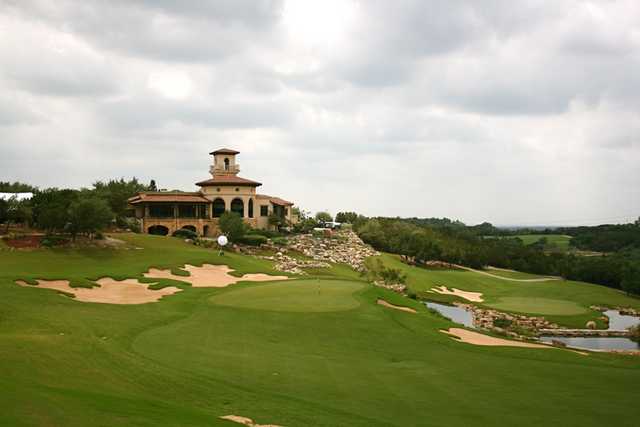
(17, 211)
(631, 280)
(89, 215)
(152, 186)
(324, 217)
(346, 217)
(16, 187)
(51, 208)
(232, 226)
(116, 192)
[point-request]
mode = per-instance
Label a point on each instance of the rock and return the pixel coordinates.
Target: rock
(591, 324)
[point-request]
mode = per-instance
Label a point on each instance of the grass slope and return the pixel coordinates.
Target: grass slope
(187, 359)
(559, 241)
(533, 297)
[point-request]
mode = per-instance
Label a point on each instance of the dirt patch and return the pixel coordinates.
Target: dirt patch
(476, 338)
(211, 276)
(109, 291)
(246, 421)
(469, 296)
(395, 307)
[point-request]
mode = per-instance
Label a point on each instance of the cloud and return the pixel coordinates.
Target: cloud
(493, 110)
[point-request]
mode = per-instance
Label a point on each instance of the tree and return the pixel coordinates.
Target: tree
(17, 211)
(346, 217)
(631, 280)
(324, 217)
(16, 187)
(89, 215)
(276, 220)
(153, 186)
(51, 208)
(232, 226)
(116, 192)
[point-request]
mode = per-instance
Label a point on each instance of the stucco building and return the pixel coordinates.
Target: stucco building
(162, 212)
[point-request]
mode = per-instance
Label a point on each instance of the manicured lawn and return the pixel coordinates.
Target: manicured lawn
(514, 274)
(542, 306)
(188, 359)
(310, 296)
(494, 290)
(560, 241)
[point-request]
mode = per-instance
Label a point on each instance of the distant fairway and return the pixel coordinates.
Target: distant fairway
(562, 301)
(295, 295)
(539, 306)
(560, 241)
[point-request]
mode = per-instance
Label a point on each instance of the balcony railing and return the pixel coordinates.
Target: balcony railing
(215, 169)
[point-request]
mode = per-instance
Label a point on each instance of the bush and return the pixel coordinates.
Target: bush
(252, 240)
(232, 226)
(51, 241)
(266, 233)
(501, 323)
(635, 333)
(98, 236)
(185, 234)
(280, 241)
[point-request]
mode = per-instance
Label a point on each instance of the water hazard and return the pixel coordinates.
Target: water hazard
(453, 313)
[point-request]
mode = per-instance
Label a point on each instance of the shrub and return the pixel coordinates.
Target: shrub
(51, 241)
(185, 234)
(635, 333)
(98, 236)
(232, 226)
(412, 295)
(280, 241)
(252, 240)
(501, 323)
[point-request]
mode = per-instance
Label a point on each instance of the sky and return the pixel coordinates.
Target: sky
(514, 112)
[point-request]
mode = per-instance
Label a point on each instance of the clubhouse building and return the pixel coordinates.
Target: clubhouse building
(163, 212)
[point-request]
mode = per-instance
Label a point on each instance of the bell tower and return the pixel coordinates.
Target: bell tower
(224, 162)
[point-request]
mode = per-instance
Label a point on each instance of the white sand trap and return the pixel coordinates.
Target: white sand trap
(210, 276)
(246, 421)
(110, 291)
(469, 296)
(395, 307)
(476, 338)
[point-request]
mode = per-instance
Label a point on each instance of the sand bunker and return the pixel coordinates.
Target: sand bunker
(476, 338)
(246, 421)
(211, 276)
(110, 291)
(469, 296)
(395, 307)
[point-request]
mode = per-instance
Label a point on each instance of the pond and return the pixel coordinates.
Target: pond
(595, 343)
(453, 313)
(620, 322)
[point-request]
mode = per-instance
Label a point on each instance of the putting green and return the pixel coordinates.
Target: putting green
(538, 306)
(295, 296)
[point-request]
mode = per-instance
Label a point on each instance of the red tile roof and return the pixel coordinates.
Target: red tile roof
(168, 197)
(275, 200)
(225, 151)
(228, 180)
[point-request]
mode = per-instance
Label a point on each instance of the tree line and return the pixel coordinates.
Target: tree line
(70, 211)
(466, 246)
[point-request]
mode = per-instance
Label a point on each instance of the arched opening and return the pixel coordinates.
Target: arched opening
(158, 230)
(250, 208)
(190, 228)
(218, 208)
(237, 206)
(226, 164)
(205, 231)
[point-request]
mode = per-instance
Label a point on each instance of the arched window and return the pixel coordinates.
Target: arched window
(218, 208)
(226, 164)
(237, 206)
(250, 208)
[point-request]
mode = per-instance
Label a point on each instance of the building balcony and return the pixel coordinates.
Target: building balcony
(221, 169)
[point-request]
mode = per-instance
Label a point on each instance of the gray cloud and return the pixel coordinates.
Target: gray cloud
(498, 110)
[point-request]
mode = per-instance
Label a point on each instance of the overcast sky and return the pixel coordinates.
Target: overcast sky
(513, 112)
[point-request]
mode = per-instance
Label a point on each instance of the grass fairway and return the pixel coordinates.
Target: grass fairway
(187, 359)
(559, 241)
(499, 293)
(296, 295)
(542, 306)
